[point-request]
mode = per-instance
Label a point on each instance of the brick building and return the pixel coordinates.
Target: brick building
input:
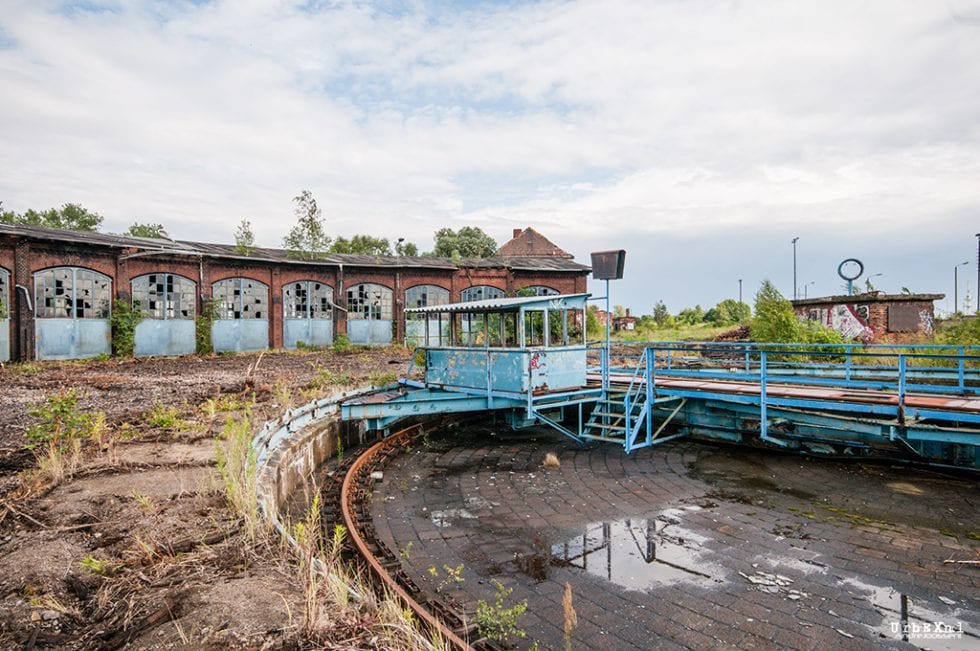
(57, 289)
(874, 317)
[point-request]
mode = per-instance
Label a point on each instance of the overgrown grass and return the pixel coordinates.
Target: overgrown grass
(163, 417)
(59, 434)
(238, 469)
(698, 332)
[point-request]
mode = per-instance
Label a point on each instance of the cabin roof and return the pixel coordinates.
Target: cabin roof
(553, 302)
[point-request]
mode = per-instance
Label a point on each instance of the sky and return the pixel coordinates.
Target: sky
(701, 136)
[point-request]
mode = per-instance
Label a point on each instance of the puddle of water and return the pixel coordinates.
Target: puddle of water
(925, 626)
(447, 517)
(638, 553)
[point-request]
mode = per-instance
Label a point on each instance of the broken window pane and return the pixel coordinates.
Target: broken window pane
(165, 296)
(240, 298)
(72, 293)
(480, 293)
(369, 301)
(307, 299)
(4, 294)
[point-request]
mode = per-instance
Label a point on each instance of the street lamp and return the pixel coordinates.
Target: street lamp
(739, 291)
(795, 292)
(806, 286)
(868, 281)
(956, 286)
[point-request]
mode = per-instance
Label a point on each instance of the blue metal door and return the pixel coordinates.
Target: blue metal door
(168, 304)
(243, 319)
(369, 314)
(307, 314)
(72, 306)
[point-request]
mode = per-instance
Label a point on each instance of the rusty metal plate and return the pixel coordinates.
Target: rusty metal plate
(903, 318)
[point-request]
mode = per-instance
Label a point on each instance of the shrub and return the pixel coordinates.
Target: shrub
(496, 622)
(341, 344)
(965, 332)
(59, 432)
(203, 325)
(125, 317)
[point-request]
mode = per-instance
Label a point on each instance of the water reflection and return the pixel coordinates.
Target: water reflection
(635, 553)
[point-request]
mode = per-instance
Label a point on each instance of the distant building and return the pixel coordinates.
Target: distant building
(532, 244)
(874, 317)
(58, 289)
(625, 323)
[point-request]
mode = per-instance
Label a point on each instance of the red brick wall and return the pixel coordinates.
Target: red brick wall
(42, 255)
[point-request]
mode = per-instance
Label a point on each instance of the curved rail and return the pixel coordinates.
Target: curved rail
(360, 470)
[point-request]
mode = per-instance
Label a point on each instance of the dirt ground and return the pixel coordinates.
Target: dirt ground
(139, 546)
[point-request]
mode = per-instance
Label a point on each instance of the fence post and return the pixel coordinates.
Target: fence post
(961, 371)
(650, 372)
(763, 418)
(901, 387)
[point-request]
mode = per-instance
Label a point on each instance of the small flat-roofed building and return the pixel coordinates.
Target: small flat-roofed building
(873, 317)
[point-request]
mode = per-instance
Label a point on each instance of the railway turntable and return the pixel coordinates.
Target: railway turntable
(527, 360)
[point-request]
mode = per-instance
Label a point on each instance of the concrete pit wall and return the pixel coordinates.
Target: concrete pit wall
(291, 448)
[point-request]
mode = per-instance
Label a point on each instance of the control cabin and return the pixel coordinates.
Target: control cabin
(505, 346)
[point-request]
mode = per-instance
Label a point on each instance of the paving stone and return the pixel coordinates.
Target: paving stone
(703, 489)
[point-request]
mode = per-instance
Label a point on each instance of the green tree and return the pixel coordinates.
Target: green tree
(728, 312)
(362, 244)
(406, 248)
(775, 320)
(691, 315)
(71, 217)
(467, 242)
(155, 231)
(660, 314)
(307, 240)
(244, 238)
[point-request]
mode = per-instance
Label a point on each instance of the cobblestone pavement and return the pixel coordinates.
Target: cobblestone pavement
(688, 545)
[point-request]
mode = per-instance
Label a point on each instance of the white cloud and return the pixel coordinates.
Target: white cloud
(582, 118)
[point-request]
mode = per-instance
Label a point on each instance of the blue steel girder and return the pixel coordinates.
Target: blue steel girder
(842, 427)
(380, 410)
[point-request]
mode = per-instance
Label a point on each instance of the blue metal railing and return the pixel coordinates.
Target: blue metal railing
(926, 369)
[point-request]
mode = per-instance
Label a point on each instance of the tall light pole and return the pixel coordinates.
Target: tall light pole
(805, 287)
(956, 286)
(978, 273)
(795, 292)
(739, 291)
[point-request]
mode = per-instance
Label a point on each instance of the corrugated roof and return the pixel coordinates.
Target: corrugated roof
(559, 301)
(259, 254)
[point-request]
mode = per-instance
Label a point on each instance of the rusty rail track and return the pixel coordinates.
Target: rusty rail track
(355, 482)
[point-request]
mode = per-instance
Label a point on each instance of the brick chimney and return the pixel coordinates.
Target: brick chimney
(518, 231)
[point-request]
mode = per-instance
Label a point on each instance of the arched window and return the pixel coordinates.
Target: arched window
(425, 295)
(165, 296)
(307, 299)
(421, 330)
(369, 301)
(72, 293)
(539, 290)
(480, 293)
(241, 298)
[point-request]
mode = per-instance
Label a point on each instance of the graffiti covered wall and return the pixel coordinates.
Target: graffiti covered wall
(873, 318)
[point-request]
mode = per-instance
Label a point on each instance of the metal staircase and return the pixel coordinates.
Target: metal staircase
(620, 415)
(625, 416)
